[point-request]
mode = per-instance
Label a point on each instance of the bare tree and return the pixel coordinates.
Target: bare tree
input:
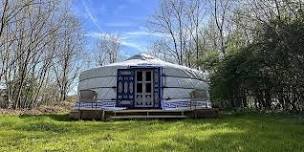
(35, 37)
(30, 42)
(221, 9)
(65, 69)
(170, 19)
(160, 49)
(184, 21)
(107, 49)
(9, 11)
(196, 13)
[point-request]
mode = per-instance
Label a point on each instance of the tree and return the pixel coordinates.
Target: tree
(268, 70)
(182, 21)
(35, 45)
(107, 49)
(170, 19)
(221, 9)
(65, 69)
(29, 44)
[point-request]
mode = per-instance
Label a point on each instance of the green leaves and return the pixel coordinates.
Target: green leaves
(267, 70)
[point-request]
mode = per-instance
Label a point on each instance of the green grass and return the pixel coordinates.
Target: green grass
(238, 132)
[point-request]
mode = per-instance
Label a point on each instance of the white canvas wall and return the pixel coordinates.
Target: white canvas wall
(178, 81)
(98, 82)
(174, 88)
(184, 83)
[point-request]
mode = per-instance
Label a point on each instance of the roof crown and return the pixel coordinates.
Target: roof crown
(142, 56)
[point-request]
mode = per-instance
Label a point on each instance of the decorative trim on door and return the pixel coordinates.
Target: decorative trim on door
(125, 87)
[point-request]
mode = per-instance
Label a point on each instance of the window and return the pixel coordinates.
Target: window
(139, 87)
(87, 96)
(139, 76)
(199, 94)
(148, 76)
(148, 87)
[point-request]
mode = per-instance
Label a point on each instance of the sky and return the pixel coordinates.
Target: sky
(126, 18)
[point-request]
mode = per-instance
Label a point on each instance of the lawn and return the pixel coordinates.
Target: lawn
(237, 132)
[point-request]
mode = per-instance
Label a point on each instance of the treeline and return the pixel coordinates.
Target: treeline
(39, 44)
(268, 72)
(265, 72)
(252, 49)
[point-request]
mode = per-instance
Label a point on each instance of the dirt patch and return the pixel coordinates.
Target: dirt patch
(45, 109)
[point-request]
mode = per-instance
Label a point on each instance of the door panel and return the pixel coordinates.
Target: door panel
(125, 87)
(144, 89)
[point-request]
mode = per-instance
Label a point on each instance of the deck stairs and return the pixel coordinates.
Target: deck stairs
(147, 114)
(98, 114)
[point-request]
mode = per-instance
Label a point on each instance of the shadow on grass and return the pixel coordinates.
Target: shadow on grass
(56, 117)
(62, 123)
(217, 142)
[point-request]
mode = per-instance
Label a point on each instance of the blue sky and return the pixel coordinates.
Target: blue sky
(127, 18)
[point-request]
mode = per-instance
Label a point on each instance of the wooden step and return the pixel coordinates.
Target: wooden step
(148, 117)
(147, 110)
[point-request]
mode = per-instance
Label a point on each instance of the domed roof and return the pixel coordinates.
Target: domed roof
(147, 60)
(144, 60)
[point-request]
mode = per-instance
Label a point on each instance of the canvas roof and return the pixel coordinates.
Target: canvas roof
(145, 60)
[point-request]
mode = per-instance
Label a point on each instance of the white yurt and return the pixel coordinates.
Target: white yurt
(143, 82)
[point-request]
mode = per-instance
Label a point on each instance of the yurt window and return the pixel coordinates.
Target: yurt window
(148, 76)
(87, 96)
(199, 94)
(139, 87)
(139, 76)
(148, 87)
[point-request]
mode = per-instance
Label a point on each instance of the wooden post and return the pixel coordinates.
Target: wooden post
(103, 115)
(80, 114)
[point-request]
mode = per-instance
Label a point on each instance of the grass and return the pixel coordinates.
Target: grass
(238, 132)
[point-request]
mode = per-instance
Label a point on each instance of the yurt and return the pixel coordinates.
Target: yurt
(143, 82)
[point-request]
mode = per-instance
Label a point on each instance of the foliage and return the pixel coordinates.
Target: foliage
(210, 60)
(269, 70)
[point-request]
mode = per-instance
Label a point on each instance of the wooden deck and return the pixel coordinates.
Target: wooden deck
(143, 114)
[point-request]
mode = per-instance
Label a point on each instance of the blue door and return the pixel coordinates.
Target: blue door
(125, 88)
(139, 87)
